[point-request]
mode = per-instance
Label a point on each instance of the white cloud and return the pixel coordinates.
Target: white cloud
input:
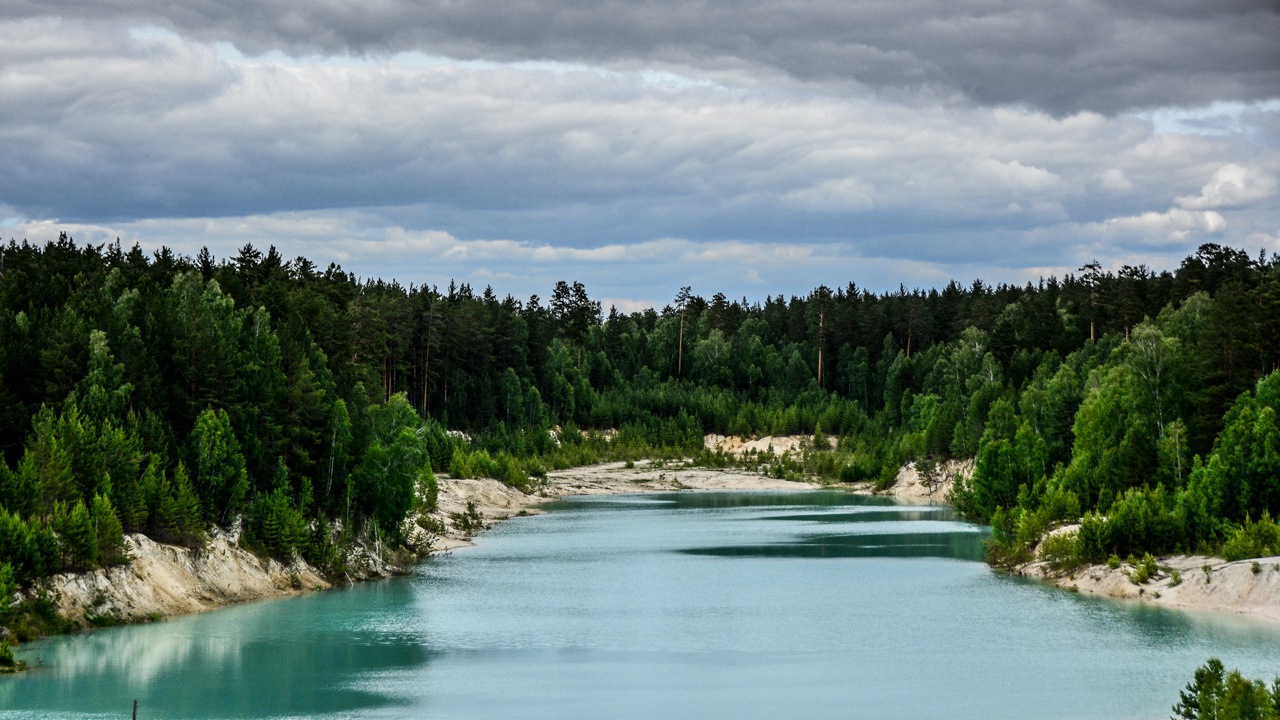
(424, 167)
(1113, 180)
(1232, 186)
(1155, 228)
(628, 274)
(1267, 240)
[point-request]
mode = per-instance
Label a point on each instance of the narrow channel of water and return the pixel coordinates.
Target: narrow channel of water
(738, 605)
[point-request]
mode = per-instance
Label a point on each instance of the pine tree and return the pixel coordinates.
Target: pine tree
(77, 536)
(110, 533)
(221, 479)
(188, 518)
(163, 519)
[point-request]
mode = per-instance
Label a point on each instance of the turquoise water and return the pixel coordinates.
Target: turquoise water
(693, 605)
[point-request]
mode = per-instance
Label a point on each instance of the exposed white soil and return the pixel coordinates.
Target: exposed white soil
(164, 580)
(769, 444)
(1231, 587)
(910, 484)
(910, 487)
(496, 501)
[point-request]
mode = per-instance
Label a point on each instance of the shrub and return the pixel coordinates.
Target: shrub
(1252, 539)
(888, 478)
(275, 526)
(1061, 551)
(470, 521)
(1144, 571)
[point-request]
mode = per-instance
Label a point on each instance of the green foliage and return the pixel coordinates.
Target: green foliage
(176, 514)
(275, 526)
(7, 663)
(220, 479)
(1061, 551)
(1238, 478)
(1217, 694)
(109, 531)
(468, 522)
(77, 537)
(8, 586)
(383, 483)
(165, 394)
(1253, 539)
(1144, 570)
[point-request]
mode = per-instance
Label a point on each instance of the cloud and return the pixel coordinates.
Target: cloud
(629, 275)
(636, 173)
(1113, 180)
(1232, 186)
(1100, 55)
(1171, 227)
(116, 126)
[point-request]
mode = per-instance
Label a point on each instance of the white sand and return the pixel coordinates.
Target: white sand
(165, 580)
(497, 502)
(1229, 587)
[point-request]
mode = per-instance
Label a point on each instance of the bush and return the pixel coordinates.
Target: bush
(1252, 540)
(7, 663)
(1061, 551)
(1144, 571)
(428, 490)
(888, 478)
(468, 522)
(274, 526)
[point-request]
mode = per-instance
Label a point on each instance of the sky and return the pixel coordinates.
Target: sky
(751, 147)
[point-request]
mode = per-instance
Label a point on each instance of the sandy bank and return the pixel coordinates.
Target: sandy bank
(910, 486)
(165, 580)
(496, 501)
(769, 444)
(1231, 587)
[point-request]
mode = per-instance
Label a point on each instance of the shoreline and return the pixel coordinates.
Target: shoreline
(164, 581)
(168, 581)
(498, 502)
(1228, 588)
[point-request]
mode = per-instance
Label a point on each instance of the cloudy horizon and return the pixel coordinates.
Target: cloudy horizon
(746, 147)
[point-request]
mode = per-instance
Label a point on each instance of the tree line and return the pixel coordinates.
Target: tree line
(170, 395)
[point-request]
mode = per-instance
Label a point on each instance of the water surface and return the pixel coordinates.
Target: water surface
(815, 604)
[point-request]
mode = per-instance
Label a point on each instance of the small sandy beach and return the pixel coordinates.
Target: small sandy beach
(497, 501)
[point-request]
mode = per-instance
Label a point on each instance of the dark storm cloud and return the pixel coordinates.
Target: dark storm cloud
(1062, 57)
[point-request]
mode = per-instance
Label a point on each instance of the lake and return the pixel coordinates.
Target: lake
(808, 604)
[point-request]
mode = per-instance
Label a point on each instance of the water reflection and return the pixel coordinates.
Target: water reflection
(276, 658)
(864, 516)
(965, 545)
(583, 612)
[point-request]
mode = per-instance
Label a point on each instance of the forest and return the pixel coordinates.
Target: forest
(170, 395)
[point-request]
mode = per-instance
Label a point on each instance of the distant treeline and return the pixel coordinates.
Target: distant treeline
(168, 395)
